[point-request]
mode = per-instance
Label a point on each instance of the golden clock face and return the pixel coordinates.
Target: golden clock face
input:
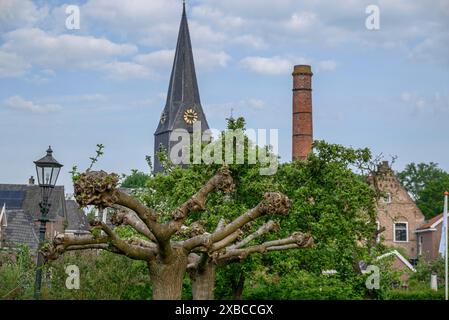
(190, 116)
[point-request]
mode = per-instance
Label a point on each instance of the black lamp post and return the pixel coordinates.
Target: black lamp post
(47, 170)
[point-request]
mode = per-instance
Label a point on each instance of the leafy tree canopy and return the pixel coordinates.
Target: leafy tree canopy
(426, 182)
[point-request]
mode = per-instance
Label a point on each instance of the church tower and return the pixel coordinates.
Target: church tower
(183, 105)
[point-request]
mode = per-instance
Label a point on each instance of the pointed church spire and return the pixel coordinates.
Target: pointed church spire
(183, 98)
(183, 86)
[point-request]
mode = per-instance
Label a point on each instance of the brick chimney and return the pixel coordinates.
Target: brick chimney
(302, 112)
(31, 181)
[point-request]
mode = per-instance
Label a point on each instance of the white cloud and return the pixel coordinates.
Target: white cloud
(12, 65)
(207, 60)
(23, 13)
(215, 16)
(156, 59)
(126, 70)
(67, 50)
(204, 35)
(415, 27)
(204, 59)
(153, 23)
(283, 65)
(250, 40)
(436, 103)
(269, 66)
(302, 21)
(326, 65)
(17, 102)
(434, 48)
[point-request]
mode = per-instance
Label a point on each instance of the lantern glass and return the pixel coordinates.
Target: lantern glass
(47, 170)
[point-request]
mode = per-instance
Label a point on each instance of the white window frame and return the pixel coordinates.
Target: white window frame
(394, 232)
(420, 243)
(387, 198)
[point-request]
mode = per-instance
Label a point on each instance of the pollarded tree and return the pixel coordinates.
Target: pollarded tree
(165, 243)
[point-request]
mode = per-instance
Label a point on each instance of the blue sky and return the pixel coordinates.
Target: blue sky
(386, 89)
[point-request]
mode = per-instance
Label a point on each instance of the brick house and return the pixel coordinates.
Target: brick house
(429, 236)
(20, 223)
(397, 214)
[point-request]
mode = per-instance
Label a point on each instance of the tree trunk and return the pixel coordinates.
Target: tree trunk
(203, 282)
(238, 287)
(167, 278)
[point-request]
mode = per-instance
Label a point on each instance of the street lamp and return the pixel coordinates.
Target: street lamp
(47, 170)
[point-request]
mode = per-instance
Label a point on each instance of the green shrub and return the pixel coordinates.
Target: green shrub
(304, 286)
(417, 294)
(16, 275)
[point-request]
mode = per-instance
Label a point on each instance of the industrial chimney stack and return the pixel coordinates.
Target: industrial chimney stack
(302, 112)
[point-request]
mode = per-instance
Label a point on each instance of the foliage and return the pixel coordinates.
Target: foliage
(136, 179)
(329, 200)
(431, 197)
(424, 270)
(98, 153)
(333, 204)
(103, 275)
(417, 294)
(16, 274)
(303, 285)
(419, 283)
(426, 183)
(416, 176)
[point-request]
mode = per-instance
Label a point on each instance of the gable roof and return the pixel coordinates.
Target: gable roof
(384, 170)
(400, 257)
(432, 223)
(20, 230)
(76, 218)
(27, 198)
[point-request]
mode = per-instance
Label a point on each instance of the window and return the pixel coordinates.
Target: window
(387, 197)
(401, 232)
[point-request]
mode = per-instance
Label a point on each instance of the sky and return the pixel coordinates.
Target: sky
(106, 82)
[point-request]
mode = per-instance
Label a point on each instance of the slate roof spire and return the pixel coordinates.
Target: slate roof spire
(183, 87)
(183, 93)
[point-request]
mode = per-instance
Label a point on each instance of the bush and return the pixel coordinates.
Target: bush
(425, 269)
(103, 275)
(417, 294)
(17, 275)
(304, 286)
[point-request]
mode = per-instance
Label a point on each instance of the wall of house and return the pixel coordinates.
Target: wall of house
(53, 226)
(399, 265)
(431, 243)
(401, 209)
(427, 245)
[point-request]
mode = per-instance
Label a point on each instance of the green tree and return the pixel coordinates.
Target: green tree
(426, 183)
(207, 235)
(136, 179)
(168, 232)
(430, 199)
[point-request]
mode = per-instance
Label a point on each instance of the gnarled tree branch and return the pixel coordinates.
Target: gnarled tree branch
(273, 203)
(270, 226)
(137, 252)
(222, 180)
(125, 217)
(296, 240)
